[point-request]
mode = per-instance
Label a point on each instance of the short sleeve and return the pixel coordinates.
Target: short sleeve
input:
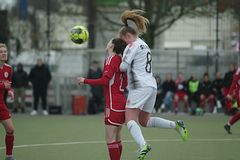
(111, 66)
(129, 53)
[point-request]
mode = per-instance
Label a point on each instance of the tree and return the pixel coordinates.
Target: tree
(162, 14)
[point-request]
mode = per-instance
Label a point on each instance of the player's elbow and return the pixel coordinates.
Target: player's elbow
(123, 67)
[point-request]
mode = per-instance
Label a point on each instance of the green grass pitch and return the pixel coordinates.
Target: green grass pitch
(82, 137)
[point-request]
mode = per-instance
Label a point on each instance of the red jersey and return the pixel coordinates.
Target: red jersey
(235, 86)
(114, 82)
(5, 75)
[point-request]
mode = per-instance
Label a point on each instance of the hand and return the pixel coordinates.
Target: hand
(11, 94)
(7, 84)
(80, 80)
(229, 97)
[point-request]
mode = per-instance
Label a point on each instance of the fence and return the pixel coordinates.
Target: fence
(63, 88)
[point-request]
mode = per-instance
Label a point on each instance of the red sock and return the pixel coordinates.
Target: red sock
(9, 139)
(120, 147)
(234, 118)
(113, 151)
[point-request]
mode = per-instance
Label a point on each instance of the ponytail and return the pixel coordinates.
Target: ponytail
(135, 16)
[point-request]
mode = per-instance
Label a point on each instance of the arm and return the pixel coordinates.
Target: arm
(108, 73)
(10, 90)
(104, 80)
(124, 66)
(234, 82)
(233, 85)
(128, 56)
(100, 81)
(49, 76)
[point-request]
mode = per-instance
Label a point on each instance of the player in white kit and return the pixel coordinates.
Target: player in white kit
(142, 87)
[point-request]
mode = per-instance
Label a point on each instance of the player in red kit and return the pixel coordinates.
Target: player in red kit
(5, 85)
(114, 82)
(235, 87)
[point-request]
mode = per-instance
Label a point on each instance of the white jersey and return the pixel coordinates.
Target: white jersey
(138, 56)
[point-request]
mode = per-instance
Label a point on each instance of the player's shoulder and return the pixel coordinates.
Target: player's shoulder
(112, 59)
(137, 44)
(7, 66)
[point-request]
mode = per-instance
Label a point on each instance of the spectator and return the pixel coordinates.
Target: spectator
(181, 93)
(19, 83)
(40, 77)
(159, 97)
(206, 93)
(168, 89)
(95, 102)
(193, 92)
(228, 77)
(218, 90)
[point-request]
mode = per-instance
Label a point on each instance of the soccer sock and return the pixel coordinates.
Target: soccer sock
(120, 147)
(136, 133)
(9, 139)
(113, 151)
(234, 118)
(157, 122)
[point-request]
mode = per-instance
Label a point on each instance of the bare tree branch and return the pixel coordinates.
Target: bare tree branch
(132, 5)
(108, 19)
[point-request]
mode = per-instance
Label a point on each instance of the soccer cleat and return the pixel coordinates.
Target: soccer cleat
(10, 158)
(143, 152)
(228, 128)
(182, 130)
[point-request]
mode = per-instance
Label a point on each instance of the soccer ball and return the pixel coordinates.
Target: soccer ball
(79, 34)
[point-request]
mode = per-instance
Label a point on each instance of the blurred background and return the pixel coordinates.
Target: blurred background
(188, 36)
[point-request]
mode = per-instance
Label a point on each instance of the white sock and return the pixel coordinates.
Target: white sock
(157, 122)
(136, 133)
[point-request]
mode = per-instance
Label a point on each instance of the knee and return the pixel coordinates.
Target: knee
(10, 130)
(176, 98)
(143, 122)
(212, 97)
(109, 139)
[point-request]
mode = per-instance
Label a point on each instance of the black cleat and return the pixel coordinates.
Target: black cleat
(228, 128)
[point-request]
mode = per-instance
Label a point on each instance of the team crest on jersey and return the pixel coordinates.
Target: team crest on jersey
(6, 74)
(128, 101)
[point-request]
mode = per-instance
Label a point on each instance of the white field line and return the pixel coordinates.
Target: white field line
(124, 141)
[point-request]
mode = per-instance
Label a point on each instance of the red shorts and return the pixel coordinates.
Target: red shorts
(114, 118)
(4, 113)
(181, 95)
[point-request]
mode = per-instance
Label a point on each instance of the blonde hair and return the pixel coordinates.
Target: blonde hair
(135, 16)
(3, 45)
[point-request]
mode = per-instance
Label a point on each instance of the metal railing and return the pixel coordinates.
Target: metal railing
(62, 87)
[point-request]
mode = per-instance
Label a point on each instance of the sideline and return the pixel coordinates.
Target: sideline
(124, 141)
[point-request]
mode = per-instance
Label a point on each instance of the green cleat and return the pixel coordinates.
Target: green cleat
(144, 151)
(182, 130)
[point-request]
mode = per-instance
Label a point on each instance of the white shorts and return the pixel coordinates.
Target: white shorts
(142, 98)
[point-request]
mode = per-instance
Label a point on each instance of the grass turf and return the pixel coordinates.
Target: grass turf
(82, 137)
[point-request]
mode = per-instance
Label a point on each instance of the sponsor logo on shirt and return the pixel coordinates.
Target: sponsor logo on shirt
(6, 74)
